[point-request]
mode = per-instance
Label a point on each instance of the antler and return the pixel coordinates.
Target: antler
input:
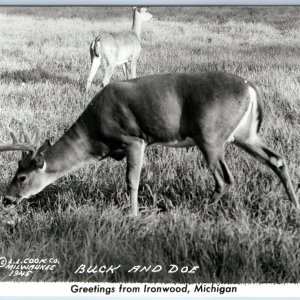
(26, 145)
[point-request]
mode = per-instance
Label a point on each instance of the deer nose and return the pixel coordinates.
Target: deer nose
(7, 201)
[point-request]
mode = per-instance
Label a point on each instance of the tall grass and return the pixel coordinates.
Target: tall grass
(251, 235)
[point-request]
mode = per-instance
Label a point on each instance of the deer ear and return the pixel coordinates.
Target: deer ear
(40, 161)
(137, 8)
(44, 146)
(24, 155)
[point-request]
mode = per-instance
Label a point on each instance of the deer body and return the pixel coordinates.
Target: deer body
(122, 48)
(178, 110)
(110, 43)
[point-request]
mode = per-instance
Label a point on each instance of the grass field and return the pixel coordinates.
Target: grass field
(252, 235)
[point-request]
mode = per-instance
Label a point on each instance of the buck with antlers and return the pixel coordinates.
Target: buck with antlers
(180, 110)
(122, 48)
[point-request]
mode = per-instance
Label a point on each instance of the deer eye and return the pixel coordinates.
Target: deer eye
(22, 178)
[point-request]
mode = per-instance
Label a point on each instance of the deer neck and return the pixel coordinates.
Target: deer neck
(68, 153)
(137, 24)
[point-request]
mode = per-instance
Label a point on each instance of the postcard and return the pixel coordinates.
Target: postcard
(150, 151)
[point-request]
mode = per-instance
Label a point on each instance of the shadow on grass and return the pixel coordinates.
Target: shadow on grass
(35, 76)
(73, 194)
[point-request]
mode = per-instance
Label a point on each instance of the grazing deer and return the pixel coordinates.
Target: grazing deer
(119, 48)
(180, 110)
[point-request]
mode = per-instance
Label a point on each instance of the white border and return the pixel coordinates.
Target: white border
(38, 289)
(147, 2)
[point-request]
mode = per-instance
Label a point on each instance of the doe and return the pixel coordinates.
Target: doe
(119, 48)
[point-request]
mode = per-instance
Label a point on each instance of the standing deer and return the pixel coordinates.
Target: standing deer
(180, 110)
(119, 48)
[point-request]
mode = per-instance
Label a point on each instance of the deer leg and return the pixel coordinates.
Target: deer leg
(222, 176)
(127, 70)
(125, 67)
(133, 68)
(124, 70)
(219, 170)
(108, 73)
(94, 68)
(135, 155)
(276, 162)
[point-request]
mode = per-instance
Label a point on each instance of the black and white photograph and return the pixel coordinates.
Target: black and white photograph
(154, 144)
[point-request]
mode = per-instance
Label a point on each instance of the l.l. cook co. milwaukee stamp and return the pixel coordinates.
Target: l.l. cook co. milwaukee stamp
(25, 267)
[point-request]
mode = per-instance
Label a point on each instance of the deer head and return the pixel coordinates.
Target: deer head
(28, 178)
(142, 13)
